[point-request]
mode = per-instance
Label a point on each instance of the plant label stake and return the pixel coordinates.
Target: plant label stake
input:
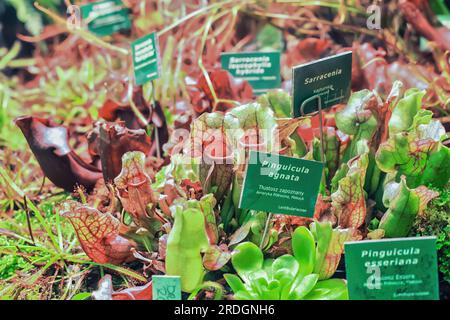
(280, 184)
(105, 17)
(329, 78)
(146, 59)
(158, 147)
(392, 269)
(166, 287)
(266, 230)
(326, 81)
(260, 69)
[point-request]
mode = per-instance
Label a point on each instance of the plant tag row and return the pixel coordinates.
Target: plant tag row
(106, 17)
(392, 269)
(260, 69)
(166, 287)
(281, 184)
(329, 78)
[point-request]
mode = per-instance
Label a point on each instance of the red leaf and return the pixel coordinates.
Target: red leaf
(134, 186)
(348, 200)
(305, 50)
(111, 141)
(323, 211)
(369, 64)
(417, 19)
(144, 292)
(118, 108)
(371, 71)
(216, 257)
(216, 169)
(225, 86)
(50, 145)
(98, 234)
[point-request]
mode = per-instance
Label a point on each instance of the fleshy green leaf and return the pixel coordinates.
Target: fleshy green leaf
(279, 101)
(206, 206)
(243, 295)
(180, 167)
(186, 241)
(257, 124)
(252, 115)
(234, 282)
(284, 269)
(247, 257)
(280, 278)
(357, 120)
(403, 114)
(304, 287)
(417, 153)
(303, 247)
(332, 289)
(82, 296)
(404, 205)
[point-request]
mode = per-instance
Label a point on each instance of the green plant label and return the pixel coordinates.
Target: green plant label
(392, 269)
(281, 184)
(260, 69)
(166, 287)
(328, 78)
(146, 62)
(105, 17)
